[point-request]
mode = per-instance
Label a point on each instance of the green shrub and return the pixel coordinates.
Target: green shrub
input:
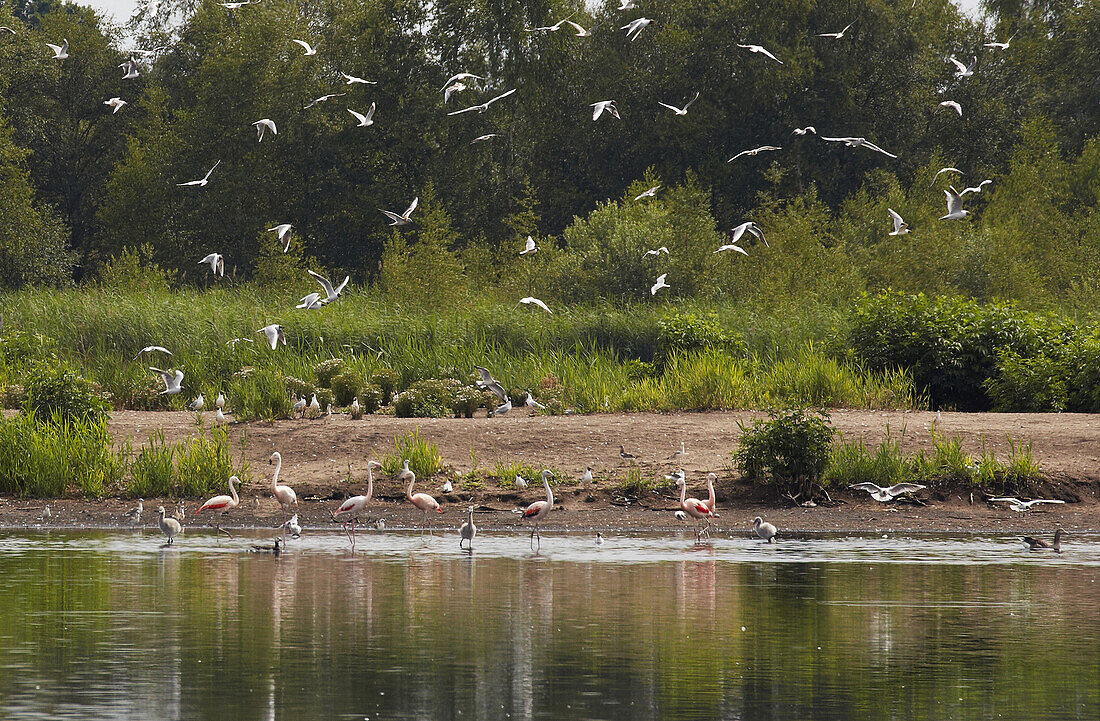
(45, 459)
(370, 399)
(325, 397)
(386, 379)
(346, 385)
(298, 388)
(133, 269)
(13, 396)
(326, 370)
(152, 472)
(1029, 385)
(852, 462)
(684, 332)
(789, 450)
(429, 398)
(58, 392)
(467, 400)
(423, 456)
(259, 394)
(21, 349)
(204, 464)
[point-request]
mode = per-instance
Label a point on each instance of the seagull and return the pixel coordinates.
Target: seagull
(676, 476)
(310, 302)
(731, 246)
(310, 50)
(581, 32)
(548, 28)
(322, 99)
(274, 333)
(1017, 505)
(764, 529)
(235, 5)
(352, 80)
(484, 106)
(60, 52)
(659, 284)
(447, 487)
(754, 151)
(530, 402)
(752, 228)
(299, 405)
(835, 36)
(634, 28)
(367, 120)
(6, 29)
(197, 404)
(531, 300)
(999, 46)
(220, 401)
(963, 71)
(487, 382)
(404, 218)
(529, 246)
(953, 105)
(759, 49)
(281, 230)
(314, 404)
(129, 70)
(1038, 544)
(331, 293)
(681, 452)
(520, 481)
(219, 417)
(900, 226)
(601, 106)
(205, 179)
(217, 263)
(660, 250)
(151, 348)
(887, 494)
(461, 76)
(651, 193)
(680, 516)
(234, 341)
(456, 88)
(954, 205)
(503, 408)
(115, 104)
(807, 129)
(482, 138)
(171, 380)
(587, 477)
(975, 189)
(134, 514)
(859, 143)
(626, 5)
(944, 170)
(292, 527)
(624, 455)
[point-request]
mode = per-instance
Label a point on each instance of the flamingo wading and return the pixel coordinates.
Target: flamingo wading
(695, 508)
(223, 503)
(541, 509)
(351, 508)
(284, 494)
(421, 500)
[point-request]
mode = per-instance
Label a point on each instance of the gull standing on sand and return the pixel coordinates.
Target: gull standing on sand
(60, 52)
(219, 417)
(659, 284)
(884, 495)
(220, 400)
(1017, 505)
(681, 452)
(262, 125)
(587, 477)
(754, 151)
(115, 104)
(314, 404)
(900, 226)
(309, 49)
(284, 494)
(448, 487)
(204, 180)
(530, 402)
(299, 405)
(404, 218)
(634, 28)
(529, 246)
(651, 193)
(274, 333)
(197, 404)
(680, 111)
(331, 293)
(954, 205)
(761, 50)
(468, 530)
(364, 120)
(503, 408)
(352, 507)
(216, 262)
(484, 106)
(151, 348)
(953, 105)
(520, 482)
(531, 300)
(764, 529)
(222, 503)
(601, 106)
(172, 380)
(170, 527)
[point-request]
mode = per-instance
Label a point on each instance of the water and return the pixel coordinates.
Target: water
(115, 626)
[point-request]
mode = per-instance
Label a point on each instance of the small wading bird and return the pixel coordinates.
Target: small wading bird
(172, 381)
(540, 509)
(681, 452)
(602, 106)
(216, 262)
(282, 232)
(202, 181)
(365, 120)
(350, 509)
(151, 348)
(1038, 544)
(679, 111)
(761, 50)
(170, 527)
(587, 477)
(115, 104)
(404, 218)
(293, 528)
(954, 205)
(696, 509)
(468, 530)
(1017, 505)
(309, 49)
(529, 246)
(531, 300)
(900, 226)
(284, 494)
(275, 335)
(887, 494)
(422, 501)
(134, 514)
(223, 504)
(764, 529)
(60, 52)
(754, 151)
(624, 455)
(484, 106)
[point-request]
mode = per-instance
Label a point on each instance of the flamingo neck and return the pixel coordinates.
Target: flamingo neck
(710, 489)
(233, 492)
(370, 482)
(549, 493)
(275, 475)
(412, 480)
(683, 493)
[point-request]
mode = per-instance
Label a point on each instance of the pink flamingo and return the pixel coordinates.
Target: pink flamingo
(695, 508)
(421, 500)
(352, 507)
(284, 494)
(223, 503)
(540, 509)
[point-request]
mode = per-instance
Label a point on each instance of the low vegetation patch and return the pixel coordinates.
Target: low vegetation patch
(423, 455)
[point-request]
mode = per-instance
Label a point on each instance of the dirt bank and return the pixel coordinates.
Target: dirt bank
(317, 455)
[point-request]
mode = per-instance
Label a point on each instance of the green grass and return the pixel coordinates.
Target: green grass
(423, 455)
(48, 459)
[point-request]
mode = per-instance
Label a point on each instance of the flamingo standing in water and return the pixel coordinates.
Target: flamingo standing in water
(540, 509)
(351, 508)
(284, 494)
(223, 503)
(421, 500)
(695, 508)
(168, 526)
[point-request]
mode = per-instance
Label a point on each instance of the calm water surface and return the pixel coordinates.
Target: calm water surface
(110, 625)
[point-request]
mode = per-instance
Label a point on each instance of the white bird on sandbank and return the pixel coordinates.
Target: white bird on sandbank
(530, 402)
(761, 50)
(659, 284)
(531, 300)
(900, 226)
(404, 218)
(197, 404)
(587, 477)
(263, 125)
(365, 120)
(216, 262)
(172, 381)
(1017, 505)
(520, 482)
(503, 408)
(204, 180)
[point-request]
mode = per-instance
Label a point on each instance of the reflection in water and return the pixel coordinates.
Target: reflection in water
(115, 626)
